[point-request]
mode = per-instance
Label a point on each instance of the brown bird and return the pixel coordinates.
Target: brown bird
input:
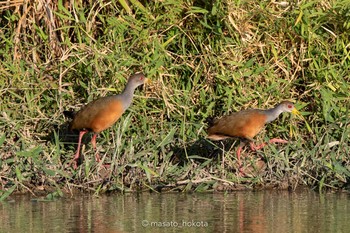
(102, 113)
(246, 124)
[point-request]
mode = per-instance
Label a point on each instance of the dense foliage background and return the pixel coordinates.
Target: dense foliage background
(205, 58)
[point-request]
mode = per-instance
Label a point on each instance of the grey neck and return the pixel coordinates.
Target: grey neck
(273, 113)
(127, 95)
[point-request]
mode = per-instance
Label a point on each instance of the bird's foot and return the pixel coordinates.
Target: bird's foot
(258, 147)
(98, 159)
(75, 163)
(253, 147)
(241, 171)
(277, 140)
(75, 160)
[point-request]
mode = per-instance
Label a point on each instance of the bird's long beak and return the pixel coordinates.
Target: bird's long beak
(147, 80)
(296, 112)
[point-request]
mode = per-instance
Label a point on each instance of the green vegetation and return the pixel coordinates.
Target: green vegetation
(205, 58)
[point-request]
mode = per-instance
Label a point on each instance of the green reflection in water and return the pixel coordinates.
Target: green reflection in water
(233, 212)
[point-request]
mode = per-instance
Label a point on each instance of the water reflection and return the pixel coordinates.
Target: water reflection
(218, 212)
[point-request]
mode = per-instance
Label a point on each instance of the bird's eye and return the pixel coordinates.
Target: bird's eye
(141, 78)
(290, 106)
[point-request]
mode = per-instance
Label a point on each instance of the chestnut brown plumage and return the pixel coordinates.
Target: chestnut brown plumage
(247, 123)
(102, 113)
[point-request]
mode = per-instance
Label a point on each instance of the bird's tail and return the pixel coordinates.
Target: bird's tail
(69, 114)
(210, 121)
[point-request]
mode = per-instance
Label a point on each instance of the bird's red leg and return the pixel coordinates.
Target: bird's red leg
(278, 140)
(239, 157)
(253, 147)
(77, 154)
(239, 154)
(274, 140)
(93, 142)
(97, 156)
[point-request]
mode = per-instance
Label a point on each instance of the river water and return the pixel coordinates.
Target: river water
(263, 211)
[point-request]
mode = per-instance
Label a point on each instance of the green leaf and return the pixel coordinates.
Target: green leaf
(249, 63)
(49, 171)
(2, 139)
(195, 10)
(168, 138)
(148, 171)
(19, 174)
(7, 193)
